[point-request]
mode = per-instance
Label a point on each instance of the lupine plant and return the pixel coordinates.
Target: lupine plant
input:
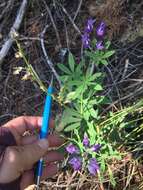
(81, 96)
(94, 139)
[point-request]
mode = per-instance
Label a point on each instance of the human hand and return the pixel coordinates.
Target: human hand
(19, 160)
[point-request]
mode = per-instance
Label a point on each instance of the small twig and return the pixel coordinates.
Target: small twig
(125, 69)
(71, 20)
(25, 38)
(78, 9)
(7, 45)
(70, 179)
(132, 94)
(53, 23)
(46, 56)
(66, 32)
(60, 186)
(131, 173)
(117, 90)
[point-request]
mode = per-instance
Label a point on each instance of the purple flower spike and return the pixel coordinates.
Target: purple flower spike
(85, 140)
(93, 166)
(99, 45)
(86, 40)
(72, 149)
(101, 29)
(89, 26)
(76, 163)
(96, 147)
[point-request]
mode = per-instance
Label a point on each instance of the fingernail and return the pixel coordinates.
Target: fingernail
(43, 143)
(40, 121)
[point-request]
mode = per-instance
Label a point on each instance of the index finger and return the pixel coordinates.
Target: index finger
(25, 123)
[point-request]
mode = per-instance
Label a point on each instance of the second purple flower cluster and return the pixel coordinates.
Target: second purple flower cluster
(87, 31)
(100, 34)
(76, 160)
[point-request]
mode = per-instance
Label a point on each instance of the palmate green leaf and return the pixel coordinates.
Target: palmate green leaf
(86, 115)
(88, 110)
(108, 54)
(74, 83)
(78, 70)
(64, 68)
(70, 116)
(94, 113)
(92, 132)
(79, 90)
(102, 100)
(81, 87)
(98, 87)
(72, 126)
(92, 55)
(71, 62)
(74, 94)
(99, 57)
(99, 100)
(74, 111)
(104, 61)
(70, 96)
(94, 76)
(64, 78)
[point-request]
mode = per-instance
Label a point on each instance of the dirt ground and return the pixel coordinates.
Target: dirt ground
(65, 20)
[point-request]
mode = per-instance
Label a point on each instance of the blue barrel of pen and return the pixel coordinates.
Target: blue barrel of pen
(45, 125)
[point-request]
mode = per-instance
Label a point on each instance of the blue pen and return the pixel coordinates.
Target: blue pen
(45, 126)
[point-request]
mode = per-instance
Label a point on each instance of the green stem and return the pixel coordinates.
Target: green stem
(31, 69)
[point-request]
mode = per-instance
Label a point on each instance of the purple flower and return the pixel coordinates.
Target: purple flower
(101, 29)
(93, 166)
(86, 40)
(76, 163)
(99, 45)
(85, 140)
(89, 26)
(72, 149)
(96, 147)
(88, 29)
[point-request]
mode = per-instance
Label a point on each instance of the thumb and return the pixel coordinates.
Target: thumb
(17, 159)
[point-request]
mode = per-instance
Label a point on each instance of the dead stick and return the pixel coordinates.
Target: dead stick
(46, 55)
(7, 45)
(54, 25)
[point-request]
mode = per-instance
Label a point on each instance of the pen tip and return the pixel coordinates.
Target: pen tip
(51, 82)
(38, 182)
